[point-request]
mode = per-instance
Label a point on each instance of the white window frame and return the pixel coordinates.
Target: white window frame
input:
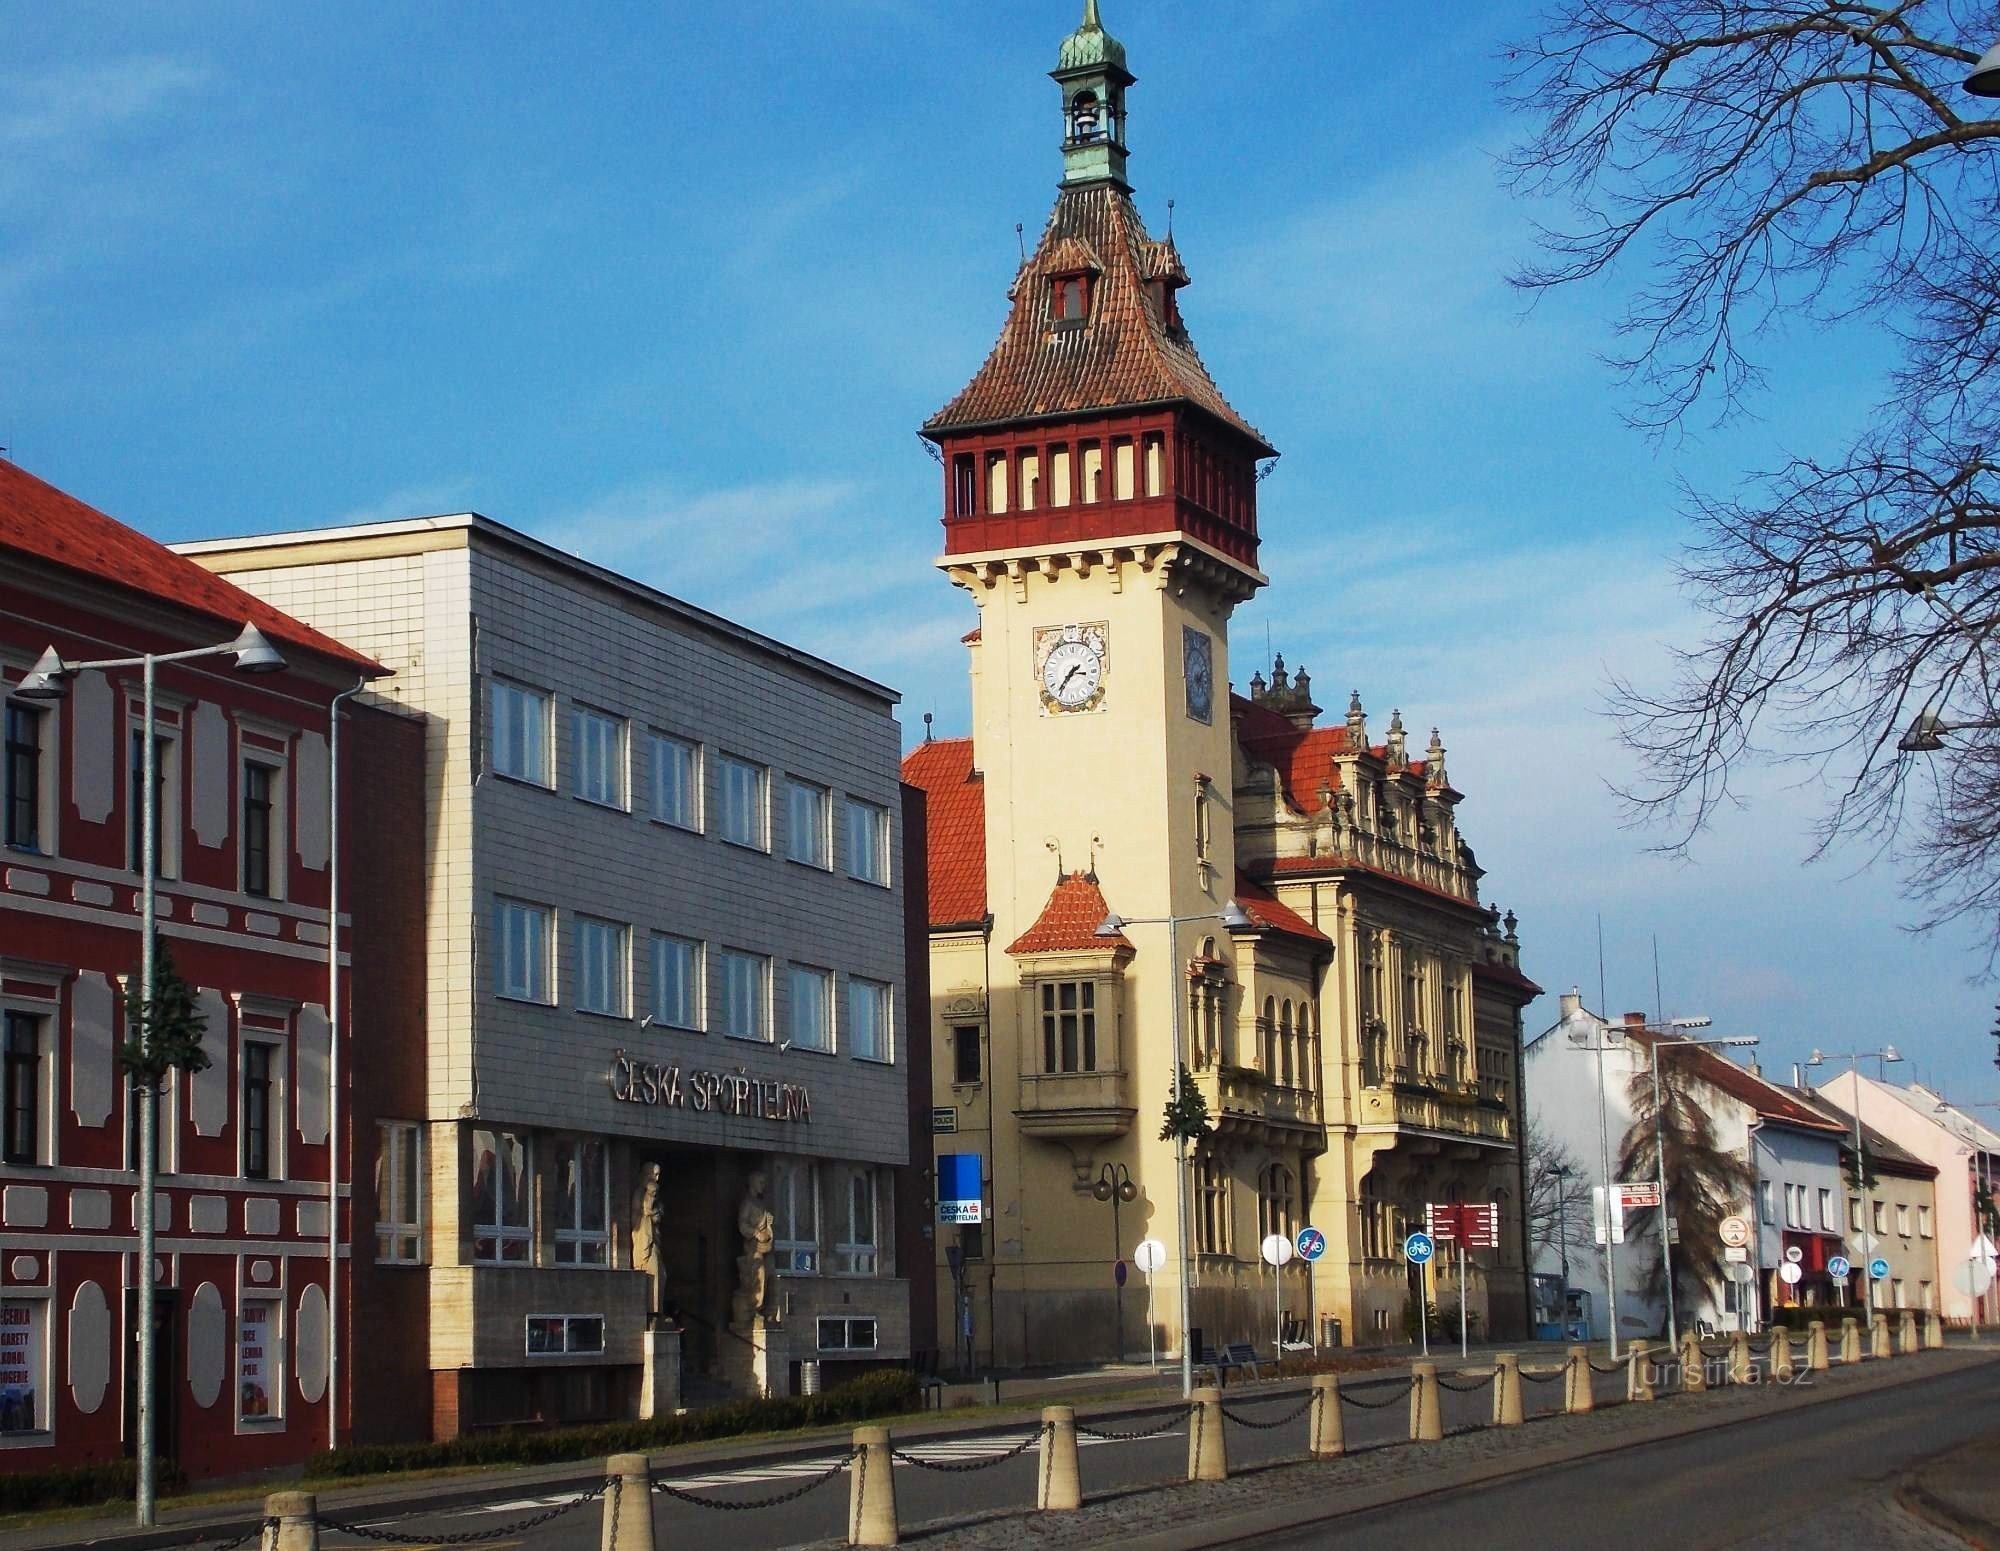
(1903, 1219)
(501, 1231)
(599, 773)
(575, 1241)
(274, 1359)
(399, 1241)
(814, 827)
(535, 731)
(1923, 1221)
(809, 1008)
(536, 923)
(869, 836)
(730, 1003)
(603, 969)
(1826, 1220)
(795, 1181)
(41, 1326)
(747, 825)
(666, 1016)
(871, 1037)
(853, 1254)
(667, 750)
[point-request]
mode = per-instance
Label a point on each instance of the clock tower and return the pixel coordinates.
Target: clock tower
(1100, 507)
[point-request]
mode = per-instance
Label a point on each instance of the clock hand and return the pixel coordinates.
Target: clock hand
(1073, 672)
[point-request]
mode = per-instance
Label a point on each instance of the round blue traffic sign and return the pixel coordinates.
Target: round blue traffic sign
(1418, 1248)
(1838, 1267)
(1878, 1268)
(1311, 1244)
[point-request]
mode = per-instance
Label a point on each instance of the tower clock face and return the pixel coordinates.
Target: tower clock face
(1069, 665)
(1198, 657)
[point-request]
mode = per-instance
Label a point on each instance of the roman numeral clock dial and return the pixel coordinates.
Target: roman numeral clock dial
(1069, 667)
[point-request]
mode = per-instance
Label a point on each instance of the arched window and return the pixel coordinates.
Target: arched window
(1287, 1074)
(1268, 1038)
(1374, 1212)
(1086, 120)
(1277, 1202)
(1211, 1196)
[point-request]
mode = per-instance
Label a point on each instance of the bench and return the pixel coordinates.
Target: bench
(1238, 1355)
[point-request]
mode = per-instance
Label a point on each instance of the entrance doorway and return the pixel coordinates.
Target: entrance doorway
(699, 1187)
(166, 1372)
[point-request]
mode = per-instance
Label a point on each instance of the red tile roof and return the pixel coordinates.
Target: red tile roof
(1766, 1098)
(1268, 911)
(1303, 757)
(955, 806)
(1124, 355)
(1069, 921)
(39, 520)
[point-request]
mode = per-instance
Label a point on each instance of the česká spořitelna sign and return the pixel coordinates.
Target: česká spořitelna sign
(656, 1085)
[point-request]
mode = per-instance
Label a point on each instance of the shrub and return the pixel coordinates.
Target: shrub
(80, 1486)
(881, 1393)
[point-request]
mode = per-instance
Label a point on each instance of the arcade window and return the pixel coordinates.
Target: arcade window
(23, 1082)
(399, 1193)
(583, 1202)
(1069, 1026)
(964, 485)
(1093, 471)
(22, 774)
(500, 1197)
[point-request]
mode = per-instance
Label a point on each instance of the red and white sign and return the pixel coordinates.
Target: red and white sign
(1475, 1224)
(1643, 1193)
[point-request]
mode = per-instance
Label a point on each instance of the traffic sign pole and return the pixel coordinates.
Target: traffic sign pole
(1463, 1352)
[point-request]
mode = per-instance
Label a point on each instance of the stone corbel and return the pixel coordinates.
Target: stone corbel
(1113, 561)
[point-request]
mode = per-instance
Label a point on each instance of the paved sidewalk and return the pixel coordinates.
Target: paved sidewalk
(1960, 1492)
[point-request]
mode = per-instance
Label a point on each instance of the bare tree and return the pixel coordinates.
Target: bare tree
(1766, 163)
(1558, 1195)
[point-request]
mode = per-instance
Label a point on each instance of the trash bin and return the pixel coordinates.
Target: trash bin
(809, 1378)
(1197, 1343)
(1329, 1330)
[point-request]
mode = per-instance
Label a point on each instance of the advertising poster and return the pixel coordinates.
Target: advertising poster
(253, 1364)
(20, 1365)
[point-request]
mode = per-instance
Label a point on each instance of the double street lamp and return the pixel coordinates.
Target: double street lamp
(49, 680)
(1233, 917)
(1116, 1185)
(1854, 1058)
(1732, 1041)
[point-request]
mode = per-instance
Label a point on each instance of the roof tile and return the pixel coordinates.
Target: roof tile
(955, 808)
(1069, 921)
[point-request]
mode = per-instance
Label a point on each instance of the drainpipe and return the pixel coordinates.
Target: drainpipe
(333, 1067)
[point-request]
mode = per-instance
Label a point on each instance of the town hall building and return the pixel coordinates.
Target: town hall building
(1126, 859)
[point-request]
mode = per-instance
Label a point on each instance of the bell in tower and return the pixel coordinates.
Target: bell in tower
(1091, 72)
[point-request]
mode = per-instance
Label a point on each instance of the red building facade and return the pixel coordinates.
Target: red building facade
(248, 1358)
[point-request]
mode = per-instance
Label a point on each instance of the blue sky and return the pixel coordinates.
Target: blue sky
(673, 286)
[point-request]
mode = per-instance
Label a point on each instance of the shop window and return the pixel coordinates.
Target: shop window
(808, 824)
(811, 1008)
(519, 736)
(399, 1187)
(676, 982)
(24, 1366)
(598, 752)
(23, 1036)
(676, 781)
(870, 1032)
(857, 1253)
(21, 776)
(746, 995)
(260, 1381)
(1069, 1026)
(965, 1064)
(500, 1198)
(603, 974)
(795, 1216)
(521, 951)
(583, 1203)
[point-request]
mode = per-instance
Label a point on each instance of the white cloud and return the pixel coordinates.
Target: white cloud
(80, 103)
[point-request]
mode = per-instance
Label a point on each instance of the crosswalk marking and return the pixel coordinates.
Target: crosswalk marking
(953, 1452)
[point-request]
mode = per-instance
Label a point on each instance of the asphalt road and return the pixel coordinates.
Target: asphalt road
(1816, 1477)
(925, 1495)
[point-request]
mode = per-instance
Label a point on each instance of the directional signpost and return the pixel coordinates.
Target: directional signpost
(1418, 1249)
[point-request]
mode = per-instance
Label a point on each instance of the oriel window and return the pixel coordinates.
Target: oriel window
(1069, 1026)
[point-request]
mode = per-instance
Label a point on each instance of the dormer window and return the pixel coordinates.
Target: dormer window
(1071, 298)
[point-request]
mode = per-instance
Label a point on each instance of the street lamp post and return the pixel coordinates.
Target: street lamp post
(1114, 1184)
(1660, 1155)
(1232, 916)
(1854, 1058)
(48, 680)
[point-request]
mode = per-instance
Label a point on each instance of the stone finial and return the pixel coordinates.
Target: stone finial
(1397, 751)
(1357, 725)
(1510, 921)
(1257, 688)
(1434, 763)
(1279, 684)
(1302, 684)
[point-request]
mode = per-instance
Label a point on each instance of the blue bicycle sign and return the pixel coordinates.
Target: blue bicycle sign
(1311, 1244)
(1418, 1248)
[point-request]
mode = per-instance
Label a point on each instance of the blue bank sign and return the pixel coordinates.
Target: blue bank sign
(960, 1197)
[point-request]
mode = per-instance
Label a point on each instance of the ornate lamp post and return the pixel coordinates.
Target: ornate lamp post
(1115, 1184)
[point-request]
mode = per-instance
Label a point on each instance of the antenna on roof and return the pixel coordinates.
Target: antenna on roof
(927, 726)
(1021, 242)
(1170, 220)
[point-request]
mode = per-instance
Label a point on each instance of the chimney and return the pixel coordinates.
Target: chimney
(1635, 1020)
(1572, 1003)
(1798, 1075)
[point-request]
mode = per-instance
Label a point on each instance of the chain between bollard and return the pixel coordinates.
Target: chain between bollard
(470, 1537)
(1479, 1382)
(1542, 1376)
(964, 1466)
(1604, 1367)
(1174, 1419)
(1350, 1398)
(203, 1543)
(1286, 1420)
(738, 1505)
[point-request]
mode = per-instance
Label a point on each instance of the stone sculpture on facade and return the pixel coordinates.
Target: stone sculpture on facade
(646, 1217)
(753, 1266)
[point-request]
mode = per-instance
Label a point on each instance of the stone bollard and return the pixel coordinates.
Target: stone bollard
(1208, 1450)
(1933, 1330)
(1850, 1340)
(1816, 1346)
(1507, 1389)
(1878, 1331)
(1577, 1393)
(1907, 1342)
(1781, 1352)
(1061, 1487)
(628, 1504)
(1694, 1365)
(1329, 1431)
(1426, 1404)
(871, 1493)
(1739, 1357)
(297, 1526)
(1639, 1372)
